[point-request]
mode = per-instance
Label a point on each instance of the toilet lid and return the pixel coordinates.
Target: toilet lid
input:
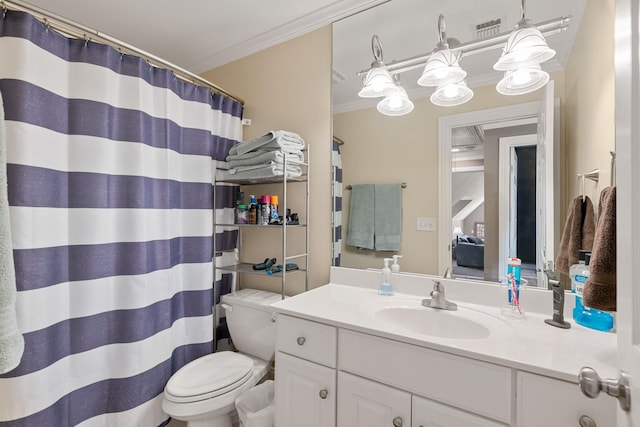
(209, 376)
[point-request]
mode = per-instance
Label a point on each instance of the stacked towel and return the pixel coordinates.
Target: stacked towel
(266, 156)
(11, 341)
(600, 288)
(578, 234)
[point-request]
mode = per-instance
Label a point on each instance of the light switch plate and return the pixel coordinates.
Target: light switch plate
(426, 224)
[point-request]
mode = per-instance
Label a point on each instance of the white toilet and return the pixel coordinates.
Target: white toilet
(204, 391)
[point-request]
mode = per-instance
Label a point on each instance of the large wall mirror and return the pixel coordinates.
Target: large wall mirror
(470, 165)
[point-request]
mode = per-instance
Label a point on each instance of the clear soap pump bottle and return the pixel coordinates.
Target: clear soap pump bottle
(385, 285)
(395, 267)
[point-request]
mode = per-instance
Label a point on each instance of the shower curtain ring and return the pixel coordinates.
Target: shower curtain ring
(4, 10)
(86, 40)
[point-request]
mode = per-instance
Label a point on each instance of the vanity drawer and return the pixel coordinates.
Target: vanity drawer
(306, 339)
(544, 401)
(479, 387)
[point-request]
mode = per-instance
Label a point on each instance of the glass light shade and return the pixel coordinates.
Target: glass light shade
(378, 82)
(442, 66)
(525, 45)
(396, 104)
(451, 94)
(522, 80)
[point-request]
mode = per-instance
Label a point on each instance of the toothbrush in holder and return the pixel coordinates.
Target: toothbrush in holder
(515, 301)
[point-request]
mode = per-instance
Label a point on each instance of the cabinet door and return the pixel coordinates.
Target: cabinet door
(544, 401)
(365, 403)
(427, 413)
(305, 393)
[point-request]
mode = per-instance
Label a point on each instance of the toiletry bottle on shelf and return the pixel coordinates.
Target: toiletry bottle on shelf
(238, 213)
(575, 267)
(385, 285)
(242, 214)
(265, 202)
(585, 316)
(395, 267)
(253, 206)
(274, 209)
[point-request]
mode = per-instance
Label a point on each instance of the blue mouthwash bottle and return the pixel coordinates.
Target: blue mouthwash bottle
(585, 316)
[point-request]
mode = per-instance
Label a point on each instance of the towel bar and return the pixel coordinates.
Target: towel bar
(403, 185)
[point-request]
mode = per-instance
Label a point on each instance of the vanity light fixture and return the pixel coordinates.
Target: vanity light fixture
(451, 94)
(524, 49)
(522, 80)
(443, 70)
(521, 57)
(396, 103)
(442, 66)
(378, 81)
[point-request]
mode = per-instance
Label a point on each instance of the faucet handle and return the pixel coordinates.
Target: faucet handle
(437, 286)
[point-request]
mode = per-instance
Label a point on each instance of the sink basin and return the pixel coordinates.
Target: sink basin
(410, 316)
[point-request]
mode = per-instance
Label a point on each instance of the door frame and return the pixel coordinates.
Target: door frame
(507, 146)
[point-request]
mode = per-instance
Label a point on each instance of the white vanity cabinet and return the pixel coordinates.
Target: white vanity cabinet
(480, 388)
(329, 376)
(364, 403)
(544, 401)
(427, 413)
(305, 388)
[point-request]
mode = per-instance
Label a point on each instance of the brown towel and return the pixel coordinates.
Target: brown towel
(600, 288)
(578, 234)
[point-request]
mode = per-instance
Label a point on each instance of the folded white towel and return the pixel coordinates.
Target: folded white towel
(277, 167)
(273, 140)
(258, 172)
(11, 341)
(261, 157)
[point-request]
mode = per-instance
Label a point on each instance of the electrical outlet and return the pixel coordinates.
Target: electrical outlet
(426, 224)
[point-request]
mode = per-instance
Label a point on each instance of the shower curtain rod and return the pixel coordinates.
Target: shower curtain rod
(80, 31)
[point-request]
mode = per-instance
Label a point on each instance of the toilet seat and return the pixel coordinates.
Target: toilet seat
(209, 376)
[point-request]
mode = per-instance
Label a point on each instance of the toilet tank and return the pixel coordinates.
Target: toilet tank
(249, 321)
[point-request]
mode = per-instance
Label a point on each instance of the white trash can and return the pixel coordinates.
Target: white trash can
(255, 406)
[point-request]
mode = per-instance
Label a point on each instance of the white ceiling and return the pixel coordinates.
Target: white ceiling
(204, 34)
(199, 35)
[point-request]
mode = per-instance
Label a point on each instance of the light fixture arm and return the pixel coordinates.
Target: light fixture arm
(524, 22)
(442, 33)
(376, 49)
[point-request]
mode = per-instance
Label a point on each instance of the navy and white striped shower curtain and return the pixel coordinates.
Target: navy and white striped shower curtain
(336, 166)
(111, 166)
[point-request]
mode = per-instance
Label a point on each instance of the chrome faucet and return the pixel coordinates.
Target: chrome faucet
(438, 300)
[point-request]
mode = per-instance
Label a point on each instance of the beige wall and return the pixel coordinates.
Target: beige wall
(590, 108)
(381, 149)
(289, 87)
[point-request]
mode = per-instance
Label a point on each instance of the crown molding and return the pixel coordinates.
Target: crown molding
(312, 21)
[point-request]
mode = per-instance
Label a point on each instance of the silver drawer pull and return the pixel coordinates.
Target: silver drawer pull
(301, 340)
(323, 393)
(397, 422)
(586, 421)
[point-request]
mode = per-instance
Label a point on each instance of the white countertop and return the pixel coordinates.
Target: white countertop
(530, 344)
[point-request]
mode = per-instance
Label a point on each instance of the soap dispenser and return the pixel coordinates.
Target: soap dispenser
(385, 285)
(395, 267)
